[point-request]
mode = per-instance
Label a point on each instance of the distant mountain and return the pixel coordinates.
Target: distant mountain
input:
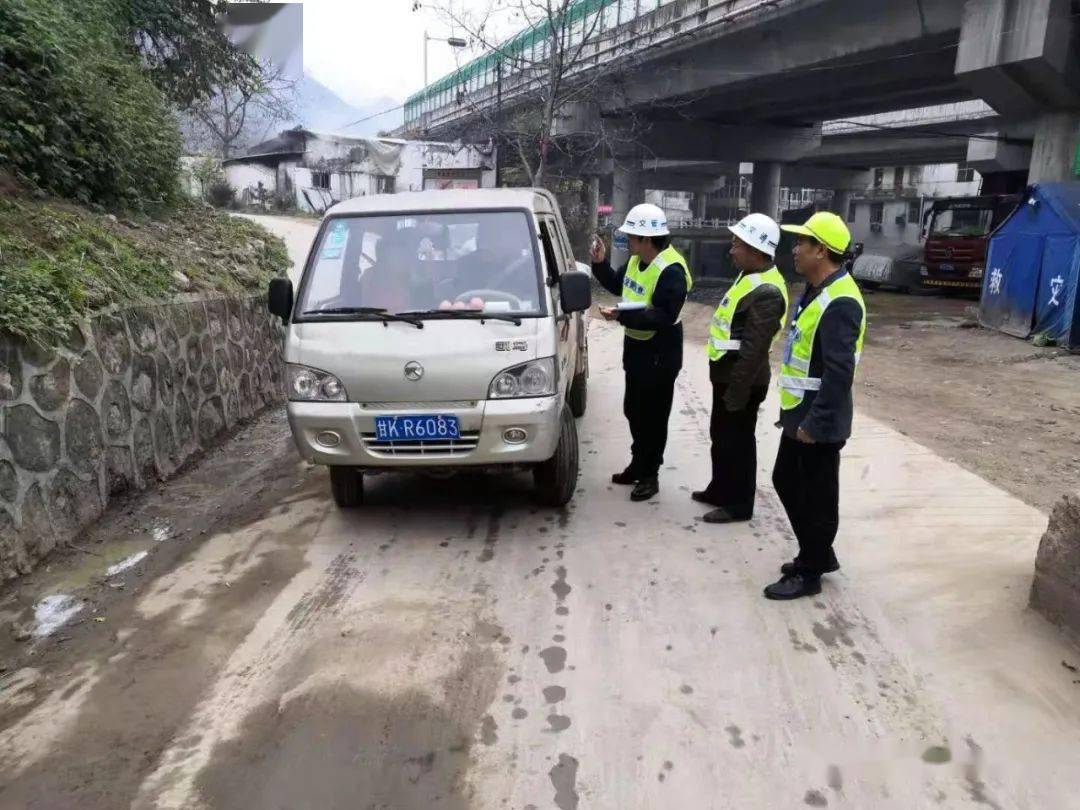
(321, 109)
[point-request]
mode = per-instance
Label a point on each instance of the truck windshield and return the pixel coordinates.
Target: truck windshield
(961, 222)
(470, 262)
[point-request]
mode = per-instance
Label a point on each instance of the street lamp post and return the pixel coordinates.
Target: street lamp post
(453, 42)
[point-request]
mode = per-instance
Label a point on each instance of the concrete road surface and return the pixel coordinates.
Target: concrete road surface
(451, 646)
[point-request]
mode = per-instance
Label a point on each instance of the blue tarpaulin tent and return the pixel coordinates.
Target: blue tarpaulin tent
(1032, 281)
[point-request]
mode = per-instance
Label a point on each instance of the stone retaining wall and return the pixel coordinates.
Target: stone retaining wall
(1056, 590)
(135, 394)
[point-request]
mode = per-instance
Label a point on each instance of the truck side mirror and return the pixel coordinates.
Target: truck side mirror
(279, 300)
(575, 291)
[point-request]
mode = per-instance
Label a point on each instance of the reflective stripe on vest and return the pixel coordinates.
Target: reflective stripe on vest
(794, 379)
(639, 284)
(720, 340)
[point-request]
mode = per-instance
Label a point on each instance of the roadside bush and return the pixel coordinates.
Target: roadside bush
(221, 194)
(79, 116)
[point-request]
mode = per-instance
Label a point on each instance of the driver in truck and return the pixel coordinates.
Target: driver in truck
(493, 265)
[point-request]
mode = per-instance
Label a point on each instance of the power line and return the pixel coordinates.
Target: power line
(374, 115)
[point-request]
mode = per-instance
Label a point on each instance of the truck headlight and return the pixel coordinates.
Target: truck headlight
(533, 379)
(311, 385)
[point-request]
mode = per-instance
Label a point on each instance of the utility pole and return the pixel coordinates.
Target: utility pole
(498, 123)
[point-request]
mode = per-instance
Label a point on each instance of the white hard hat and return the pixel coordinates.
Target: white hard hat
(759, 232)
(646, 220)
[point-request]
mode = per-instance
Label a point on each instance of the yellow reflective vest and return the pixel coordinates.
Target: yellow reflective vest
(795, 379)
(639, 283)
(720, 341)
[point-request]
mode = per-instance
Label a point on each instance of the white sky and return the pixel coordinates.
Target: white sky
(365, 50)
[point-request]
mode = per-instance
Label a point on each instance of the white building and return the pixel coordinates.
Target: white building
(888, 215)
(315, 170)
(675, 204)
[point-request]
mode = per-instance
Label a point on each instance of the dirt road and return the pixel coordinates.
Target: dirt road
(452, 646)
(998, 406)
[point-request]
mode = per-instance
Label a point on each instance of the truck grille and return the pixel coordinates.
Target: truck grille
(422, 447)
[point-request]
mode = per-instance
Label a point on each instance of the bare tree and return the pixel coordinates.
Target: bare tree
(236, 116)
(544, 83)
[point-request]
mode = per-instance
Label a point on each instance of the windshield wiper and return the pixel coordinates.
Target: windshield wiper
(378, 312)
(464, 314)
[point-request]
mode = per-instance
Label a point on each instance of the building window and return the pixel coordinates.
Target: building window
(898, 177)
(965, 174)
(877, 213)
(320, 180)
(384, 184)
(879, 177)
(851, 209)
(913, 211)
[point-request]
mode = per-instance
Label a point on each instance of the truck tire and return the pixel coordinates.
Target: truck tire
(556, 478)
(347, 486)
(578, 396)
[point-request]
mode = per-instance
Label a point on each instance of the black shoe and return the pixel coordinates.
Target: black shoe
(789, 568)
(625, 478)
(645, 489)
(703, 496)
(722, 515)
(794, 586)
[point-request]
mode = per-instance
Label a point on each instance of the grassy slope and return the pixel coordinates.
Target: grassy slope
(60, 262)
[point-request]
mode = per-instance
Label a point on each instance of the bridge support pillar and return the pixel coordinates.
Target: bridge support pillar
(765, 189)
(841, 201)
(1018, 56)
(1054, 152)
(701, 199)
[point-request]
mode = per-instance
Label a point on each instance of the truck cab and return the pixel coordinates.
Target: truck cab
(435, 332)
(957, 233)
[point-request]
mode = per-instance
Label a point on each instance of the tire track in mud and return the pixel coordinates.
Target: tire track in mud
(244, 680)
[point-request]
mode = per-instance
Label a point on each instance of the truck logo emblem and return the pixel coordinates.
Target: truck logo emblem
(413, 371)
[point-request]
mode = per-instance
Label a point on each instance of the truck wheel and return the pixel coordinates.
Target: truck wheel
(578, 396)
(557, 477)
(347, 485)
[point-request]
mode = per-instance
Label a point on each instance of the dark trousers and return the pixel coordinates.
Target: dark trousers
(734, 451)
(807, 479)
(647, 407)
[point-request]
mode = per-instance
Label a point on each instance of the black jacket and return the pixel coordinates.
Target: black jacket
(758, 317)
(665, 348)
(826, 414)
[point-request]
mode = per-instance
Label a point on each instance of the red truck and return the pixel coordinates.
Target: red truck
(957, 237)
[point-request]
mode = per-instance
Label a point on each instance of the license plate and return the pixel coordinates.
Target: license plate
(947, 268)
(416, 428)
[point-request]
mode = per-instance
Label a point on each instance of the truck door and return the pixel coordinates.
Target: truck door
(566, 325)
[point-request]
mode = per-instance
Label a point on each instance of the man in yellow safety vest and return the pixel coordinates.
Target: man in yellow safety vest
(816, 376)
(743, 328)
(653, 286)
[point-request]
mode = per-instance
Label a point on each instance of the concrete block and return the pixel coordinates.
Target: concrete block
(1055, 592)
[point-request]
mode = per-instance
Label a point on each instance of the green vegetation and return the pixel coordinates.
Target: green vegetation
(79, 116)
(87, 92)
(60, 262)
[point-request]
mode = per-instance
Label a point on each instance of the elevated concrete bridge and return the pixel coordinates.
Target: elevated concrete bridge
(710, 83)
